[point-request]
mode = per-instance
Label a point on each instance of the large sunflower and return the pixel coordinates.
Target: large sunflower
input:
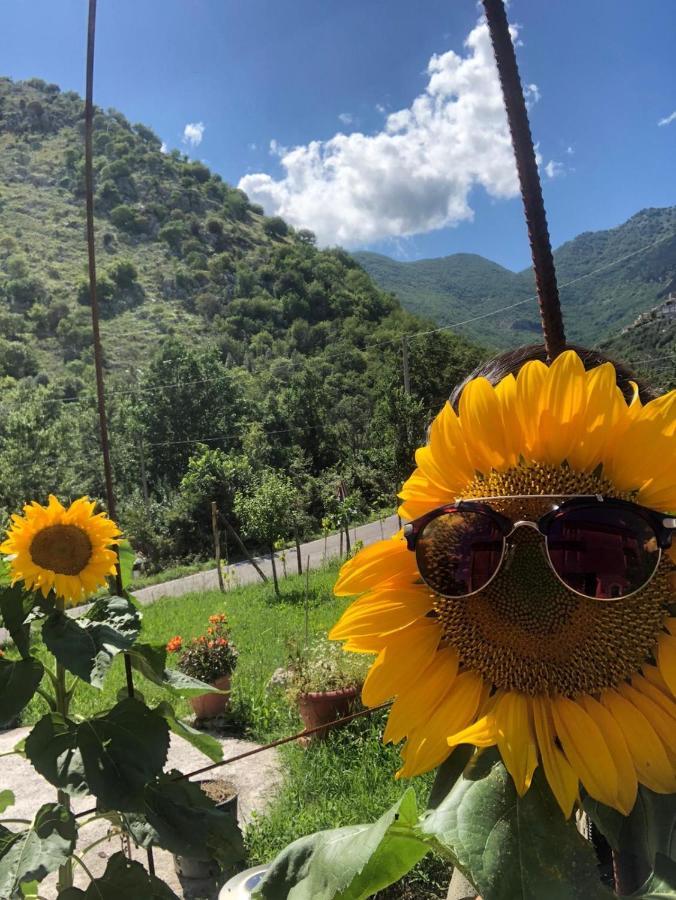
(64, 550)
(582, 687)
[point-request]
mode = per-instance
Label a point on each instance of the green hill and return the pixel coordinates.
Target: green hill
(454, 288)
(232, 344)
(649, 344)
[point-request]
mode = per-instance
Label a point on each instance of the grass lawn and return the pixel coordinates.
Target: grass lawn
(346, 780)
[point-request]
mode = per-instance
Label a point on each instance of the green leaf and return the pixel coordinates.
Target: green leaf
(52, 749)
(511, 847)
(662, 883)
(122, 878)
(33, 854)
(7, 799)
(186, 821)
(88, 645)
(150, 660)
(18, 682)
(15, 606)
(649, 829)
(127, 557)
(348, 863)
(202, 741)
(448, 773)
(122, 751)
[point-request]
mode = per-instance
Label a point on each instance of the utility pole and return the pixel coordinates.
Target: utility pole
(404, 359)
(144, 477)
(217, 544)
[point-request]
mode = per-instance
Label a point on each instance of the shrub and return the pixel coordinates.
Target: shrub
(275, 227)
(324, 666)
(209, 656)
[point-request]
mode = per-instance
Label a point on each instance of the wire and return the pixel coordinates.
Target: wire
(222, 437)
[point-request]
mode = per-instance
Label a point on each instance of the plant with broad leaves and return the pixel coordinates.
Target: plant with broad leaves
(118, 756)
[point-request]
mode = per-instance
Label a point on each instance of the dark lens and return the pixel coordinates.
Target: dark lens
(459, 552)
(602, 551)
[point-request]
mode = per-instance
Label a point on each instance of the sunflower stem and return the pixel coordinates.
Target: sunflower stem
(62, 702)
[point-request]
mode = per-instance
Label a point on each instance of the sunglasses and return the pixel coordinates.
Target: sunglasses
(599, 548)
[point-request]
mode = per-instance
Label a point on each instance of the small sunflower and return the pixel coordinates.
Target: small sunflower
(64, 550)
(583, 687)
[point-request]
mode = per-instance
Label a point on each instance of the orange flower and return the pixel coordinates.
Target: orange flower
(175, 644)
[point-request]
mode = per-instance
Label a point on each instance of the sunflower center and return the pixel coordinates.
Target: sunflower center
(65, 549)
(526, 631)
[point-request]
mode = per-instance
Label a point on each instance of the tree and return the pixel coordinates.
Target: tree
(267, 511)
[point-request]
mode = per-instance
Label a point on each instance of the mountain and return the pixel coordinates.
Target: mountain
(232, 344)
(649, 344)
(606, 279)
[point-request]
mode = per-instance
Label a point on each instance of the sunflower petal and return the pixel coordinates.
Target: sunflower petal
(406, 655)
(559, 773)
(385, 562)
(666, 660)
(419, 700)
(585, 749)
(650, 759)
(382, 611)
(612, 734)
(516, 741)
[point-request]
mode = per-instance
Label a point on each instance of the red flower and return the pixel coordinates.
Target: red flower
(175, 644)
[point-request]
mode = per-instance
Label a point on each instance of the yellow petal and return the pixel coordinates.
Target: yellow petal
(586, 750)
(481, 420)
(559, 773)
(612, 734)
(380, 563)
(427, 745)
(604, 416)
(563, 405)
(661, 720)
(647, 751)
(406, 655)
(666, 660)
(382, 611)
(516, 741)
(417, 702)
(529, 386)
(483, 733)
(657, 691)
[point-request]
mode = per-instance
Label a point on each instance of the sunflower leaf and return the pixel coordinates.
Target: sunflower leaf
(123, 878)
(509, 846)
(150, 660)
(88, 645)
(662, 883)
(202, 741)
(15, 606)
(347, 863)
(52, 749)
(7, 799)
(187, 822)
(18, 682)
(649, 829)
(32, 854)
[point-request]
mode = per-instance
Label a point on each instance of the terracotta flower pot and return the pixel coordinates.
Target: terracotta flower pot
(206, 706)
(321, 707)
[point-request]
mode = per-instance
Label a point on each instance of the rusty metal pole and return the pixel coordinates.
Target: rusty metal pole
(529, 178)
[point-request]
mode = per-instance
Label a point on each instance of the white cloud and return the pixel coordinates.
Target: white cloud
(164, 148)
(531, 94)
(553, 169)
(381, 108)
(346, 118)
(667, 120)
(277, 149)
(570, 150)
(413, 176)
(193, 133)
(252, 146)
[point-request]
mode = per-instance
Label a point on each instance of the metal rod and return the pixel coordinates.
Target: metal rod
(94, 304)
(529, 178)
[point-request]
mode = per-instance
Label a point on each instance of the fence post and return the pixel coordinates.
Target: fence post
(217, 544)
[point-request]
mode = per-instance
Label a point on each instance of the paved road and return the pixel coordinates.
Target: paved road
(244, 572)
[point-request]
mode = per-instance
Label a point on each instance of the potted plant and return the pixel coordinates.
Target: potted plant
(325, 682)
(211, 658)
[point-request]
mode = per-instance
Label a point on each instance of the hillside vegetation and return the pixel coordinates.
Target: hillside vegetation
(236, 352)
(596, 307)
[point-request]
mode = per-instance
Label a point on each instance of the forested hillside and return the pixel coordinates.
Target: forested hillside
(630, 280)
(233, 346)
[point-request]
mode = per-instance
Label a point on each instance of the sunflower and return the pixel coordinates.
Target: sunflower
(584, 688)
(64, 550)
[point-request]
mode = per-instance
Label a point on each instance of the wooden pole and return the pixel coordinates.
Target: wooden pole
(240, 544)
(299, 562)
(404, 360)
(307, 600)
(529, 178)
(217, 544)
(144, 477)
(274, 568)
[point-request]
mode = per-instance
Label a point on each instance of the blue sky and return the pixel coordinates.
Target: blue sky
(300, 72)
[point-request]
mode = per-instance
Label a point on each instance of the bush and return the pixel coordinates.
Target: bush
(128, 219)
(16, 359)
(275, 227)
(124, 273)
